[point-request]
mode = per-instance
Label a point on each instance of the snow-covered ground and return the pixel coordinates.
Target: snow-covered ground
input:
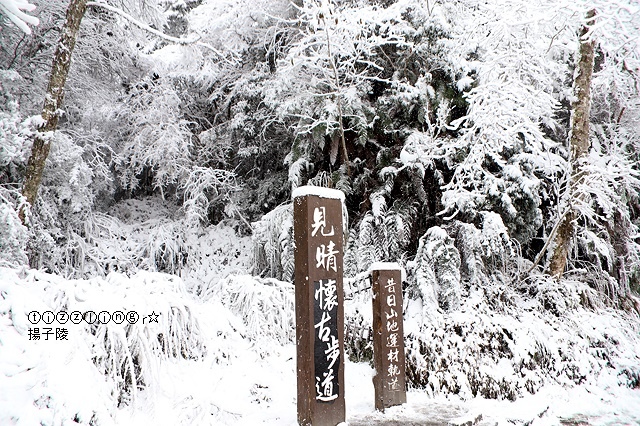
(215, 367)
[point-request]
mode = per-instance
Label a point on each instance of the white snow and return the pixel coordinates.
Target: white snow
(244, 375)
(385, 266)
(14, 10)
(388, 266)
(318, 191)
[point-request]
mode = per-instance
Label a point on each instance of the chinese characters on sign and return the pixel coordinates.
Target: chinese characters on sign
(320, 221)
(326, 257)
(326, 348)
(388, 340)
(392, 345)
(318, 238)
(325, 310)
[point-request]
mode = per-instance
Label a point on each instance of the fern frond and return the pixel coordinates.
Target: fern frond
(273, 242)
(378, 205)
(295, 171)
(322, 179)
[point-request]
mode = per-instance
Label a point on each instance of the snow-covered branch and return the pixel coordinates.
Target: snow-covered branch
(182, 41)
(13, 9)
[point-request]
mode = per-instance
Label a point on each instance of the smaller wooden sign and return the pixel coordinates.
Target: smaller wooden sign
(389, 381)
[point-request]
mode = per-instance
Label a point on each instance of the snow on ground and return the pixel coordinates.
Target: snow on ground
(240, 378)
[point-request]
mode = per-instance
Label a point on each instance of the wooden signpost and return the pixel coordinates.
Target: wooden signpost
(319, 298)
(389, 382)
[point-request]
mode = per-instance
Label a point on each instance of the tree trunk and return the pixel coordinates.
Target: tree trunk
(343, 143)
(579, 141)
(52, 102)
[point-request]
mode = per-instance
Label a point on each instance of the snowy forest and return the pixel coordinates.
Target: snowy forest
(148, 154)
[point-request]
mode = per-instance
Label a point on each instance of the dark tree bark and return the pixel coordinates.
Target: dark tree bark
(52, 102)
(579, 139)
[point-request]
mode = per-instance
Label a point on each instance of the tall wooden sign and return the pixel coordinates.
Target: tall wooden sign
(389, 381)
(318, 237)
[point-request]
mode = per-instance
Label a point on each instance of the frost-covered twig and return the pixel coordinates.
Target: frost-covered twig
(183, 41)
(13, 9)
(241, 216)
(142, 25)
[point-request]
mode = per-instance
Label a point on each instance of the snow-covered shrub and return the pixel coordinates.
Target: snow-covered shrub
(558, 297)
(273, 244)
(485, 253)
(14, 134)
(265, 305)
(105, 244)
(510, 334)
(13, 234)
(160, 141)
(437, 271)
(203, 189)
(150, 234)
(358, 325)
(126, 354)
(480, 351)
(433, 365)
(609, 183)
(358, 339)
(213, 253)
(65, 200)
(164, 248)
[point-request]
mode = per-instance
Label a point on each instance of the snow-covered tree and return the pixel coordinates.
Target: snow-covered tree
(579, 140)
(53, 102)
